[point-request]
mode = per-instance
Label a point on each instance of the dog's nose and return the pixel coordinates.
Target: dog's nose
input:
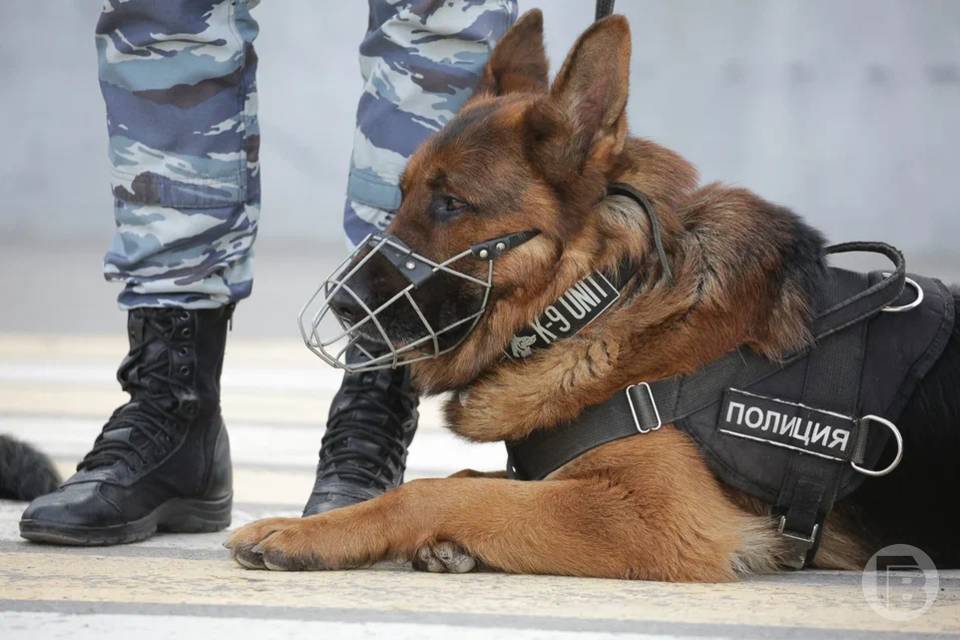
(346, 307)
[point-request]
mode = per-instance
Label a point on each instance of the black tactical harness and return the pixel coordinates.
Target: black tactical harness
(801, 433)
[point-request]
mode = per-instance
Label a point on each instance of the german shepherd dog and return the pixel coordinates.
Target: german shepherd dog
(526, 154)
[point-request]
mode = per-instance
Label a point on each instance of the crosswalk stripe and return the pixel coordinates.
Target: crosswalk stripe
(159, 622)
(308, 410)
(173, 581)
(265, 451)
(170, 622)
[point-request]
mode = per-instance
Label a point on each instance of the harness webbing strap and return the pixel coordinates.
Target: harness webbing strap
(638, 409)
(810, 485)
(647, 406)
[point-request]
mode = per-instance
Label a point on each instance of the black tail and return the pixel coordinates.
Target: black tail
(25, 473)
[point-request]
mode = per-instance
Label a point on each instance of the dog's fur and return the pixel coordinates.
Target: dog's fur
(520, 155)
(25, 473)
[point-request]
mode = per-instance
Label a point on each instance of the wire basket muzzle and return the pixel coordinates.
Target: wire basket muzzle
(352, 327)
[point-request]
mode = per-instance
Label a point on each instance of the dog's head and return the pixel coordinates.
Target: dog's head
(521, 154)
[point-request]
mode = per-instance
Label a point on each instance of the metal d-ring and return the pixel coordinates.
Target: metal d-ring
(910, 305)
(896, 460)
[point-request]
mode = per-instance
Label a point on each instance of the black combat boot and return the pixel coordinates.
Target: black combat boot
(162, 461)
(364, 451)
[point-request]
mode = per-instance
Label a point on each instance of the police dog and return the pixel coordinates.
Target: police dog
(523, 154)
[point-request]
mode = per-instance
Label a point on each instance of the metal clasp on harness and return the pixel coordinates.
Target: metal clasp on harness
(910, 305)
(896, 435)
(801, 544)
(633, 409)
(781, 529)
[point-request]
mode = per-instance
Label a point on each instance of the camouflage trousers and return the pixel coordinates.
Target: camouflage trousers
(179, 81)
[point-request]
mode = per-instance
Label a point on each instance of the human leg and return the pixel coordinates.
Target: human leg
(420, 62)
(178, 81)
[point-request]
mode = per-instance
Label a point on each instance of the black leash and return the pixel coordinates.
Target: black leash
(623, 189)
(604, 8)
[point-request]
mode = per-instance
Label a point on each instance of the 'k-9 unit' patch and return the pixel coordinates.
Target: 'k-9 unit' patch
(788, 424)
(575, 309)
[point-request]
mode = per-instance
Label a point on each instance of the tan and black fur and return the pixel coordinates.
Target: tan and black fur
(526, 154)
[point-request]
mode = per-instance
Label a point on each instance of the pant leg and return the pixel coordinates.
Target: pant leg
(178, 80)
(420, 60)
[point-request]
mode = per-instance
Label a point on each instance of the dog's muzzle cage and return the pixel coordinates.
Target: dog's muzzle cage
(416, 270)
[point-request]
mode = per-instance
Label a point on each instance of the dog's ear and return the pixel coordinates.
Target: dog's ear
(518, 62)
(592, 86)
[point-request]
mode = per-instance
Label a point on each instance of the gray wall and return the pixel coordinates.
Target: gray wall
(845, 110)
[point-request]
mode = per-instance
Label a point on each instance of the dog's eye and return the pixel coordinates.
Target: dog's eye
(445, 207)
(453, 205)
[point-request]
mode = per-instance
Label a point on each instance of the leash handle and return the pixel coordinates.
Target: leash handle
(604, 8)
(869, 301)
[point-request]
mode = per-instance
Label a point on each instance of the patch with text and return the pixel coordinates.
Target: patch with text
(576, 308)
(788, 424)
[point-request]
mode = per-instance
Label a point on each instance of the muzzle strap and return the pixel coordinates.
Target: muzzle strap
(496, 247)
(410, 266)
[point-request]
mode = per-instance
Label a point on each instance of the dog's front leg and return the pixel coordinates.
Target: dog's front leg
(345, 538)
(581, 527)
(424, 521)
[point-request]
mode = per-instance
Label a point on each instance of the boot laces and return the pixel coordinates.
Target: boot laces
(150, 415)
(365, 439)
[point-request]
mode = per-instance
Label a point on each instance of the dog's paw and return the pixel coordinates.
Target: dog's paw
(443, 556)
(280, 544)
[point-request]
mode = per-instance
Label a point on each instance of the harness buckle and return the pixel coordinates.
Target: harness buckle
(801, 543)
(653, 407)
(781, 529)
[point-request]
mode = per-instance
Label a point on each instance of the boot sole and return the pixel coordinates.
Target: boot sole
(180, 515)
